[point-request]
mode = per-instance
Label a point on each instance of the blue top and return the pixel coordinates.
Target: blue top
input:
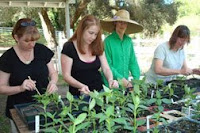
(171, 59)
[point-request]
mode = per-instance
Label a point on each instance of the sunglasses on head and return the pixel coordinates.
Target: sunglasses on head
(31, 23)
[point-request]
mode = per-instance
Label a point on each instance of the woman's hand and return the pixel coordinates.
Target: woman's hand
(113, 84)
(52, 87)
(126, 83)
(196, 71)
(84, 90)
(186, 71)
(28, 84)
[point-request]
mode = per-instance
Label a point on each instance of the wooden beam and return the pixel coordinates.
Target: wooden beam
(28, 3)
(45, 4)
(36, 3)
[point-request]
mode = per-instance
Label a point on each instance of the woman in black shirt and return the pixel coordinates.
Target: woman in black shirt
(83, 56)
(26, 59)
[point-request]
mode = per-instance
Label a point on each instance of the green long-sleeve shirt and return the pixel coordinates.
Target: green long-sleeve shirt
(121, 57)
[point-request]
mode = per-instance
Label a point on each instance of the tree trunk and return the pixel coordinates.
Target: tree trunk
(49, 31)
(80, 9)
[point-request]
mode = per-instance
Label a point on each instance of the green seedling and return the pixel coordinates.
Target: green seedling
(77, 123)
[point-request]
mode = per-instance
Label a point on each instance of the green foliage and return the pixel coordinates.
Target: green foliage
(57, 17)
(155, 15)
(187, 8)
(6, 39)
(152, 14)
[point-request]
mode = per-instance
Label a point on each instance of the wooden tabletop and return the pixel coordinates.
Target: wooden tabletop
(21, 126)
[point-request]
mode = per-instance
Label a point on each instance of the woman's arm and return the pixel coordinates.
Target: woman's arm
(53, 78)
(107, 72)
(11, 90)
(160, 70)
(66, 63)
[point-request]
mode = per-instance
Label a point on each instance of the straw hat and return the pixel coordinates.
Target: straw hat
(121, 15)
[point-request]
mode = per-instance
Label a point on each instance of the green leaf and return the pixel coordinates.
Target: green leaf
(80, 118)
(141, 122)
(136, 89)
(71, 117)
(70, 129)
(158, 95)
(159, 101)
(101, 117)
(109, 111)
(106, 89)
(99, 102)
(167, 101)
(131, 106)
(150, 101)
(160, 108)
(50, 130)
(83, 126)
(92, 104)
(136, 101)
(120, 120)
(50, 115)
(143, 107)
(64, 111)
(70, 97)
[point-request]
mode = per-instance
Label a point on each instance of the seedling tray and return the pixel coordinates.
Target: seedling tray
(27, 113)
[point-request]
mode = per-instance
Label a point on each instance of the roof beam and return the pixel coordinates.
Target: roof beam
(36, 3)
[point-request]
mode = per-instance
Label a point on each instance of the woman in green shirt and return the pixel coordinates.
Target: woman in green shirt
(119, 47)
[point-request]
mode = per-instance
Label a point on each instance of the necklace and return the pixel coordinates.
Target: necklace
(27, 60)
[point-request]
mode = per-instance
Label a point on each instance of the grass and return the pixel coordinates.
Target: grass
(4, 121)
(5, 125)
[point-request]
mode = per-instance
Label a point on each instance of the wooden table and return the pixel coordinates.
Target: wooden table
(21, 126)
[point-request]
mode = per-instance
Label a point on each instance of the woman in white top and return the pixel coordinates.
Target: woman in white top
(169, 57)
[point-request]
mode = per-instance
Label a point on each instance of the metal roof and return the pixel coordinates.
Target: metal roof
(36, 3)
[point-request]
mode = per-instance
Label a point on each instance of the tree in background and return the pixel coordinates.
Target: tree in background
(152, 14)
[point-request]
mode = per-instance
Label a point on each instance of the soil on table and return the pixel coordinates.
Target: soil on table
(186, 126)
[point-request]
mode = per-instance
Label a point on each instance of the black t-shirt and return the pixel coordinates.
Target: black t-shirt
(86, 73)
(37, 70)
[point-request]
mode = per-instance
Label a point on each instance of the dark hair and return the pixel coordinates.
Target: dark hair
(97, 45)
(26, 26)
(181, 31)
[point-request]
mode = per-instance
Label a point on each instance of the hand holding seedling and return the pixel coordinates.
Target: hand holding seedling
(28, 84)
(196, 71)
(186, 71)
(84, 90)
(113, 84)
(126, 83)
(52, 87)
(35, 88)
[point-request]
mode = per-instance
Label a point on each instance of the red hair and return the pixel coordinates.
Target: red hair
(32, 34)
(97, 45)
